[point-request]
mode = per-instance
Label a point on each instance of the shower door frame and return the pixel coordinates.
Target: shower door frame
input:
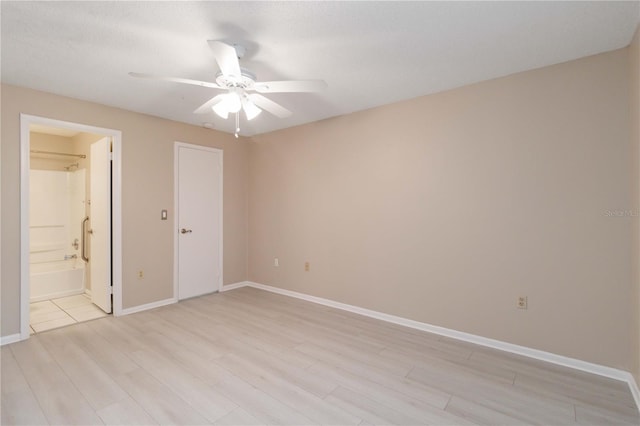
(26, 121)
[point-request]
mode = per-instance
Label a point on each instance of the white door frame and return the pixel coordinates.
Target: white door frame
(176, 212)
(116, 207)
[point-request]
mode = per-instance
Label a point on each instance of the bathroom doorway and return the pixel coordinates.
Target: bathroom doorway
(70, 257)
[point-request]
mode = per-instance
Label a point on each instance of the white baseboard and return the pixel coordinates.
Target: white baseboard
(58, 295)
(148, 306)
(633, 386)
(12, 338)
(577, 364)
(175, 300)
(234, 286)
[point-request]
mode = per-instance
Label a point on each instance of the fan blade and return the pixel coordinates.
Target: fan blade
(176, 80)
(290, 86)
(270, 106)
(226, 58)
(206, 107)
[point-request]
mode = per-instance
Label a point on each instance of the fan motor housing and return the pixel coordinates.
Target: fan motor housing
(246, 81)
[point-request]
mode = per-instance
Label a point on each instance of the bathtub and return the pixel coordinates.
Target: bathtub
(50, 280)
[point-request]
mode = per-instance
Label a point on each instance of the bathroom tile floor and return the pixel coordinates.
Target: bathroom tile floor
(50, 314)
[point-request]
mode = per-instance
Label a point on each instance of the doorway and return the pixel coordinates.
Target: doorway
(198, 220)
(70, 206)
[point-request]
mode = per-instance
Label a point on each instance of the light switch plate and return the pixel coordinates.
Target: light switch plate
(163, 215)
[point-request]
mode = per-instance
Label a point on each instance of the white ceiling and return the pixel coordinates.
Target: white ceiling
(369, 53)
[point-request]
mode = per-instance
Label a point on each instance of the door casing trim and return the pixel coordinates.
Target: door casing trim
(26, 121)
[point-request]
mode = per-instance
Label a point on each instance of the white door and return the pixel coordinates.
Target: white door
(100, 224)
(199, 219)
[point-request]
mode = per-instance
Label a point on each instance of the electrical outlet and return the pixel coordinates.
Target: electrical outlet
(306, 266)
(522, 302)
(140, 274)
(276, 262)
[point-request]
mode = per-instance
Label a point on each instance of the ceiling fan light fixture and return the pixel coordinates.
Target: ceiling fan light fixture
(250, 109)
(221, 110)
(231, 103)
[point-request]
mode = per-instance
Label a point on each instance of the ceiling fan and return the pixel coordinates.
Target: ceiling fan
(239, 85)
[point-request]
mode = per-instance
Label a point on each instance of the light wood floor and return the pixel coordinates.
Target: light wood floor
(252, 357)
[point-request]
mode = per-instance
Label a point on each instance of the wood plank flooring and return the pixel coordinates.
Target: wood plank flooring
(252, 357)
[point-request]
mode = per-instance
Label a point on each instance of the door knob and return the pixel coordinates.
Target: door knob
(185, 231)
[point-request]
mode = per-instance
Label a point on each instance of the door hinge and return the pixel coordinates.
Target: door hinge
(111, 156)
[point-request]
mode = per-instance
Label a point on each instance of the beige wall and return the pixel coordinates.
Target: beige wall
(446, 208)
(634, 74)
(147, 179)
(43, 142)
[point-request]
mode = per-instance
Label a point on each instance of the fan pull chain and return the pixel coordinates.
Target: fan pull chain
(237, 124)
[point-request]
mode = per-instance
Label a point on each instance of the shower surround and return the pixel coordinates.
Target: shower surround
(57, 208)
